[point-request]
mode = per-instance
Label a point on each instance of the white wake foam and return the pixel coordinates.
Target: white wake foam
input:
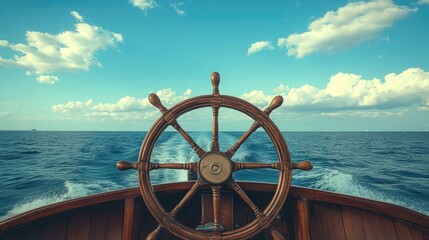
(336, 181)
(73, 190)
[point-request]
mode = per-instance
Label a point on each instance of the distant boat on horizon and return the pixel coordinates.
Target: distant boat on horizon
(34, 130)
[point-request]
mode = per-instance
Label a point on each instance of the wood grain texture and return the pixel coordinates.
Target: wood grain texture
(64, 207)
(77, 214)
(49, 229)
(226, 203)
(406, 231)
(302, 223)
(144, 218)
(389, 210)
(79, 225)
(55, 228)
(326, 221)
(360, 224)
(128, 232)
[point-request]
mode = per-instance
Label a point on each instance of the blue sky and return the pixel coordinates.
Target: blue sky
(90, 65)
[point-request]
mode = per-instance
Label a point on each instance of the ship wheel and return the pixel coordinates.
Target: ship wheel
(214, 167)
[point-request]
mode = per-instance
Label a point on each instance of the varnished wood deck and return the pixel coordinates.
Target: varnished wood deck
(307, 214)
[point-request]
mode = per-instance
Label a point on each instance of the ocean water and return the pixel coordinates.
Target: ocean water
(39, 168)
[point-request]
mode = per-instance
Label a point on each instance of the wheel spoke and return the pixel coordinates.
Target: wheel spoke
(216, 209)
(275, 103)
(241, 140)
(124, 165)
(252, 165)
(216, 102)
(155, 233)
(215, 78)
(233, 184)
(186, 166)
(215, 137)
(171, 120)
(275, 234)
(304, 165)
(198, 150)
(187, 197)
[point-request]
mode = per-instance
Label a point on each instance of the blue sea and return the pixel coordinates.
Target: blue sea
(39, 168)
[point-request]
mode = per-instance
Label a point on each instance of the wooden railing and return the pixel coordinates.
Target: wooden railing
(303, 201)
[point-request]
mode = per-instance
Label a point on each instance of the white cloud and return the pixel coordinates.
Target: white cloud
(259, 46)
(72, 106)
(144, 4)
(423, 2)
(256, 97)
(45, 53)
(50, 79)
(349, 26)
(4, 43)
(424, 107)
(176, 8)
(281, 88)
(77, 16)
(126, 108)
(362, 114)
(292, 96)
(347, 91)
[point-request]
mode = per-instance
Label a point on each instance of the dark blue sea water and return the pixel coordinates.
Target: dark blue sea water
(39, 168)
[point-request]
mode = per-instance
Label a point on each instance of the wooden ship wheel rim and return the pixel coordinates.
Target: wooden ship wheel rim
(168, 220)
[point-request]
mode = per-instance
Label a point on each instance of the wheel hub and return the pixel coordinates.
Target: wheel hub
(215, 168)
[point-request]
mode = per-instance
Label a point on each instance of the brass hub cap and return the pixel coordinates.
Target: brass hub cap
(215, 168)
